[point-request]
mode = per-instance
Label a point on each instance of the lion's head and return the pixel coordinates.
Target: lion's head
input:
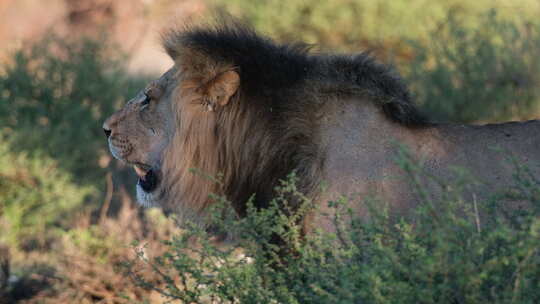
(242, 109)
(141, 130)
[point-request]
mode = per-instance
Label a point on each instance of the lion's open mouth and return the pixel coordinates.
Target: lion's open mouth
(147, 178)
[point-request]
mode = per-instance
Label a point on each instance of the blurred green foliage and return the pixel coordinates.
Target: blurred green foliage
(351, 25)
(36, 198)
(55, 95)
(489, 73)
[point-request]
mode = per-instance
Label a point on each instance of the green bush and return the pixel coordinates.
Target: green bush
(36, 198)
(485, 74)
(457, 250)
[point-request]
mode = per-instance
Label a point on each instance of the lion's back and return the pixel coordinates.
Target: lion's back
(361, 155)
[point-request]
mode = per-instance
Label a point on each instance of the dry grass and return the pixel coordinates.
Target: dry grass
(84, 265)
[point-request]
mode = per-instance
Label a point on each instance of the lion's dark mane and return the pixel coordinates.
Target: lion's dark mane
(281, 87)
(269, 70)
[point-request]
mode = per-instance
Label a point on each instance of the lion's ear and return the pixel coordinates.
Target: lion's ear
(222, 88)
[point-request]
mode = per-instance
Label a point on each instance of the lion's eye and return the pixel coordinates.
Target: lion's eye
(146, 100)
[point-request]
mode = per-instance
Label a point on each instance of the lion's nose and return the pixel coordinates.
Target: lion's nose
(107, 132)
(110, 123)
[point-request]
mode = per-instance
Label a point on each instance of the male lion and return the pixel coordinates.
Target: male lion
(239, 106)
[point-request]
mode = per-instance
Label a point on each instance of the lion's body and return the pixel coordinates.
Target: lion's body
(239, 107)
(360, 164)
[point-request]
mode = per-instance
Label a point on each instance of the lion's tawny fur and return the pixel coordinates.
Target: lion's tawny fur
(247, 111)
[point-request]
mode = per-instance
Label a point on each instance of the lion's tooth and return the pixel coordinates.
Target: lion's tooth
(140, 172)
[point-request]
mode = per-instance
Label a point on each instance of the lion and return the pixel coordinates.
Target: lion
(241, 107)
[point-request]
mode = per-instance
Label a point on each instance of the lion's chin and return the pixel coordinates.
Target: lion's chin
(145, 199)
(147, 183)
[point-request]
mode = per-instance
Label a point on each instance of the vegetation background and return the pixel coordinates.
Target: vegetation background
(67, 216)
